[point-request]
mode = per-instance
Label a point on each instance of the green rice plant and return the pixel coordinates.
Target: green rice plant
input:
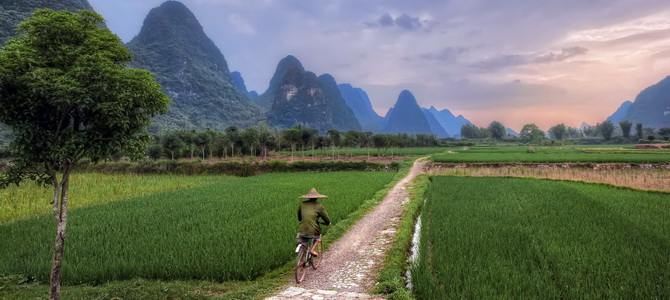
(575, 154)
(231, 229)
(373, 152)
(486, 237)
(90, 188)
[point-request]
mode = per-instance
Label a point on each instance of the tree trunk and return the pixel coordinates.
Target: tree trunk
(60, 214)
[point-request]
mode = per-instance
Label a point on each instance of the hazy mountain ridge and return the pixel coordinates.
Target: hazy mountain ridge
(407, 116)
(360, 103)
(449, 122)
(238, 80)
(651, 106)
(620, 114)
(192, 71)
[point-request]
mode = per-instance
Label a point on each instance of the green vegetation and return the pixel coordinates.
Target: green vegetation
(531, 238)
(345, 152)
(91, 188)
(233, 229)
(568, 154)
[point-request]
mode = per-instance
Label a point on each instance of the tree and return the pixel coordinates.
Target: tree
(559, 131)
(67, 93)
(233, 136)
(202, 140)
(606, 129)
(664, 131)
(172, 143)
(380, 141)
(530, 133)
(639, 130)
(249, 137)
(264, 137)
(497, 130)
(625, 128)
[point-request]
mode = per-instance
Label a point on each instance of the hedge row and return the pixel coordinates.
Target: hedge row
(231, 168)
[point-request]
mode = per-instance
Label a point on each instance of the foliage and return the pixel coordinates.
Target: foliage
(583, 154)
(497, 130)
(67, 93)
(182, 234)
(470, 131)
(531, 133)
(639, 130)
(501, 242)
(559, 131)
(625, 128)
(606, 129)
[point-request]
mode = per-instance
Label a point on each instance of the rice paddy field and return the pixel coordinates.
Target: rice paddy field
(344, 152)
(217, 228)
(522, 238)
(566, 154)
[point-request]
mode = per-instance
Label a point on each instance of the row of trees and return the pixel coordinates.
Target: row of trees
(260, 139)
(531, 133)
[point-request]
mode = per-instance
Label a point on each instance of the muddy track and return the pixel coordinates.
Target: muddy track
(348, 268)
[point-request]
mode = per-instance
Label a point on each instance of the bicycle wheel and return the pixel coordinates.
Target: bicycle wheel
(316, 260)
(301, 265)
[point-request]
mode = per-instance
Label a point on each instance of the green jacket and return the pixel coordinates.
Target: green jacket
(308, 215)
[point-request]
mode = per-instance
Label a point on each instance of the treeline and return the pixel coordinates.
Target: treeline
(606, 132)
(259, 140)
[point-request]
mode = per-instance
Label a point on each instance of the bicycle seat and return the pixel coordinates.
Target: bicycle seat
(307, 236)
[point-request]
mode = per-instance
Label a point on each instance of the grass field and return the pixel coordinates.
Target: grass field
(90, 188)
(229, 229)
(520, 238)
(566, 154)
(652, 179)
(344, 152)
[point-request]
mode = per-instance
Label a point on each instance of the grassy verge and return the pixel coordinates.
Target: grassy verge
(392, 280)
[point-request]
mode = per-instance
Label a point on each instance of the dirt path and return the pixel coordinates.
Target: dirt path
(348, 268)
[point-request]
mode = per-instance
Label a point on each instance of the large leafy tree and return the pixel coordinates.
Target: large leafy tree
(67, 93)
(625, 128)
(559, 131)
(531, 133)
(497, 130)
(606, 129)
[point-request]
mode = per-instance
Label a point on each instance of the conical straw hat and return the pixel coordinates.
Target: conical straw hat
(313, 194)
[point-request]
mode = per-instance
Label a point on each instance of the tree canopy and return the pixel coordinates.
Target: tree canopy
(67, 93)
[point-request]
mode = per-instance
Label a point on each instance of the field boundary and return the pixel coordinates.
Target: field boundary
(594, 166)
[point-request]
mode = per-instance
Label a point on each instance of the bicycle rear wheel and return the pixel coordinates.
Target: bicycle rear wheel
(301, 265)
(316, 260)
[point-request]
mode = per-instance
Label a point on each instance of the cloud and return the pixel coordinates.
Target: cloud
(403, 21)
(506, 61)
(448, 54)
(561, 56)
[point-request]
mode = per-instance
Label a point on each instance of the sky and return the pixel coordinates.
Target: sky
(515, 61)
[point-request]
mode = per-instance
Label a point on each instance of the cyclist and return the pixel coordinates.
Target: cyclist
(309, 213)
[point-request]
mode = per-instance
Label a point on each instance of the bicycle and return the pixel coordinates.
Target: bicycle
(305, 259)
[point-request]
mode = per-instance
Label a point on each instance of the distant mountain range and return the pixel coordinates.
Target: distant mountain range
(651, 107)
(205, 94)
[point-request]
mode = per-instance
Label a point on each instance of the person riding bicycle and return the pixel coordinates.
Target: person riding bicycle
(309, 213)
